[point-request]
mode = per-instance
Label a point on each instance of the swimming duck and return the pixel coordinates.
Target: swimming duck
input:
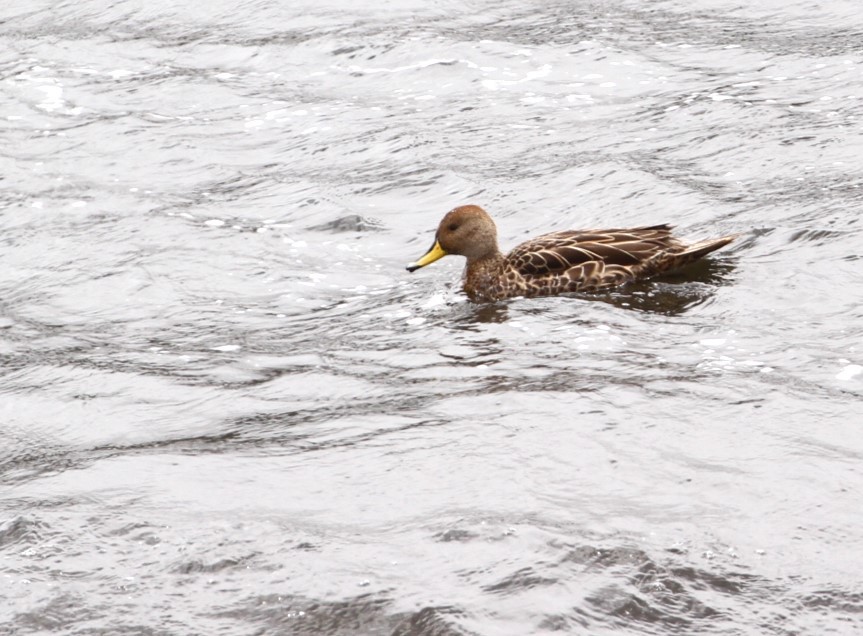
(559, 262)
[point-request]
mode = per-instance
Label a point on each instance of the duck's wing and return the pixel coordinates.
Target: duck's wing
(559, 251)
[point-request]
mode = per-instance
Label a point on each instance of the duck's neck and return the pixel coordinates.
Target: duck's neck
(490, 263)
(482, 275)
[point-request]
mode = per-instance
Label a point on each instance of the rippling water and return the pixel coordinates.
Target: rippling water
(227, 409)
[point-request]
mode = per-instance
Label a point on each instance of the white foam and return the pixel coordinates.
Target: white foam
(849, 372)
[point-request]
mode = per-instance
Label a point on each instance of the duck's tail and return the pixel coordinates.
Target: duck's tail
(702, 248)
(670, 261)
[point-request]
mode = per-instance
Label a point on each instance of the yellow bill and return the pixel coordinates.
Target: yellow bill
(431, 256)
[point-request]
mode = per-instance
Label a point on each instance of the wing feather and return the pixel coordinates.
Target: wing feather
(558, 252)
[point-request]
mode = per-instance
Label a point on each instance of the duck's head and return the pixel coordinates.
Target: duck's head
(466, 231)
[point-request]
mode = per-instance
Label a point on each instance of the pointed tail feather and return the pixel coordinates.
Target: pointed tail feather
(665, 262)
(697, 250)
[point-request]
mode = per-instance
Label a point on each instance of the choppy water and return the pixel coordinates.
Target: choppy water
(227, 409)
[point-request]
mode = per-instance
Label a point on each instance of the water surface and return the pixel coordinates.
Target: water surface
(227, 409)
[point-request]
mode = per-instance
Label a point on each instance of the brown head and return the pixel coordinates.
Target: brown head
(466, 231)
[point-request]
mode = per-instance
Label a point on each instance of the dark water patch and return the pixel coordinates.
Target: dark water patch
(575, 622)
(659, 598)
(350, 223)
(20, 530)
(645, 570)
(628, 608)
(281, 433)
(59, 614)
(626, 27)
(165, 30)
(490, 313)
(675, 293)
(416, 178)
(220, 193)
(138, 530)
(35, 464)
(364, 614)
(432, 621)
(840, 600)
(817, 236)
(257, 432)
(524, 579)
(197, 566)
(457, 535)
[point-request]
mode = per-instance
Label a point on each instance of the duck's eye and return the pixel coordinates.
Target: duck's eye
(453, 227)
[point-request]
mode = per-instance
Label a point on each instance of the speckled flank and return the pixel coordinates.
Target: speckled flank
(561, 262)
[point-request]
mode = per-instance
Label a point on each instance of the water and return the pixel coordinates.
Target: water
(227, 409)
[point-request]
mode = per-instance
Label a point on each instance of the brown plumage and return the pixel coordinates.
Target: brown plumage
(559, 262)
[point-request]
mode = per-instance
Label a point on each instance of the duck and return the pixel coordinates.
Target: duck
(564, 262)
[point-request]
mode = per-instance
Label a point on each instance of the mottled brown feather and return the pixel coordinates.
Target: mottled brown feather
(561, 262)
